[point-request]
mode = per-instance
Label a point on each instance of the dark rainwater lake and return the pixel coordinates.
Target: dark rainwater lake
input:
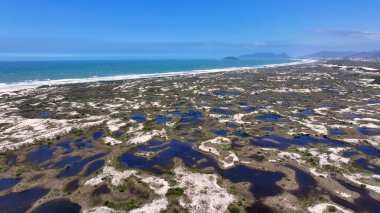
(272, 118)
(76, 167)
(6, 183)
(368, 131)
(58, 206)
(17, 202)
(42, 154)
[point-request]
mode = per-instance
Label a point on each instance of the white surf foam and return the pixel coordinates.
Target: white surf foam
(12, 87)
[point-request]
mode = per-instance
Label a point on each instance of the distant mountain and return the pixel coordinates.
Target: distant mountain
(344, 55)
(370, 54)
(327, 54)
(264, 56)
(231, 58)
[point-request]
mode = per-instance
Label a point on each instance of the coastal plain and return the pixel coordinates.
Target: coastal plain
(297, 138)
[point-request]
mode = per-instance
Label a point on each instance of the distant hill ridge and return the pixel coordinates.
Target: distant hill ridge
(264, 55)
(342, 55)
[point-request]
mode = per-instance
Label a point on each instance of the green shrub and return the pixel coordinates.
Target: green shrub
(121, 188)
(332, 208)
(233, 208)
(129, 205)
(109, 203)
(313, 161)
(174, 192)
(132, 204)
(77, 132)
(376, 81)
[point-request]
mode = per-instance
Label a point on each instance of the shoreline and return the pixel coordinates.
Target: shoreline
(17, 86)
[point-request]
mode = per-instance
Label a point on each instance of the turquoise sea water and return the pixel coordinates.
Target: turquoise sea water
(50, 71)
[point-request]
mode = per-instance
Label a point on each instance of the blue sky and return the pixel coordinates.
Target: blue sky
(184, 29)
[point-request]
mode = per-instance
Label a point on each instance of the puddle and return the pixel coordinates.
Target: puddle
(196, 132)
(103, 189)
(43, 115)
(336, 131)
(7, 183)
(259, 207)
(373, 102)
(220, 132)
(162, 119)
(268, 144)
(308, 112)
(72, 185)
(190, 118)
(307, 186)
(179, 104)
(333, 91)
(164, 160)
(11, 159)
(242, 134)
(94, 166)
(223, 105)
(364, 203)
(66, 161)
(348, 154)
(42, 154)
(304, 113)
(153, 145)
(76, 167)
(139, 117)
(242, 104)
(272, 118)
(368, 150)
(249, 109)
(364, 164)
(223, 111)
(267, 128)
(98, 134)
(263, 183)
(37, 177)
(275, 141)
(119, 134)
(224, 93)
(66, 145)
(306, 183)
(353, 116)
(232, 125)
(84, 144)
(303, 140)
(368, 131)
(58, 206)
(17, 202)
(298, 115)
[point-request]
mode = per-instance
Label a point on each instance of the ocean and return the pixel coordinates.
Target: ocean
(38, 73)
